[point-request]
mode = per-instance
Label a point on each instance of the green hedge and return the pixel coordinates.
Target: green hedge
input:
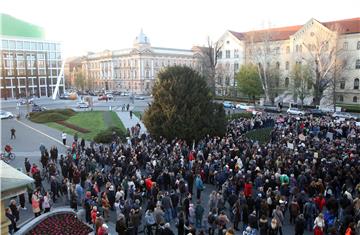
(233, 116)
(262, 135)
(350, 108)
(106, 136)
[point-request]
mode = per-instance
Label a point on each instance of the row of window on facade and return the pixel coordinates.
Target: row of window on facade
(356, 84)
(341, 99)
(147, 63)
(31, 72)
(122, 74)
(9, 82)
(43, 91)
(28, 45)
(9, 64)
(276, 50)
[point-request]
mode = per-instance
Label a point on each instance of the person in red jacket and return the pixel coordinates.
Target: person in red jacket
(103, 230)
(93, 214)
(320, 202)
(148, 183)
(248, 189)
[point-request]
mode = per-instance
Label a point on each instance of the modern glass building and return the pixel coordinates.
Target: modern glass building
(30, 65)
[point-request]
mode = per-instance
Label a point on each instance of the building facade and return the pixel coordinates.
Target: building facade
(30, 65)
(288, 46)
(133, 70)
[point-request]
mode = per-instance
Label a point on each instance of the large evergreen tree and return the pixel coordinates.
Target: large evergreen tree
(183, 107)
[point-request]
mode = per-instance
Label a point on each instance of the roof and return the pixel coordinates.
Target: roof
(282, 33)
(12, 178)
(11, 26)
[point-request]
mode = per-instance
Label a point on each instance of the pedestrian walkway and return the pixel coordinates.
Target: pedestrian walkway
(128, 123)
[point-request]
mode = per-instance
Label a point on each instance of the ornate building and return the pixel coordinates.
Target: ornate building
(135, 69)
(287, 46)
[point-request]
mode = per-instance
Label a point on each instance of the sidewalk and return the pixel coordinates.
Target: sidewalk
(128, 123)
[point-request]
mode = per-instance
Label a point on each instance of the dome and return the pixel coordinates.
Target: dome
(142, 38)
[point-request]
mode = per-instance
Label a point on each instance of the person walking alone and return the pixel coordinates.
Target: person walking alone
(63, 136)
(13, 136)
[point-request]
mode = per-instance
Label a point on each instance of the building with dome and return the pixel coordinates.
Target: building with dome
(133, 70)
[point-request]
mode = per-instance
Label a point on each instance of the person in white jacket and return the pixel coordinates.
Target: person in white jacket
(46, 202)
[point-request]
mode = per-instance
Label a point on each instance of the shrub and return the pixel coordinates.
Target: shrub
(106, 136)
(47, 117)
(262, 135)
(233, 116)
(53, 115)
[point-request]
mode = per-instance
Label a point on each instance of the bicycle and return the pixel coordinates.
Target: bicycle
(7, 157)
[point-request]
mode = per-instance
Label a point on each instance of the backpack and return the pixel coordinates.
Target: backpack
(211, 219)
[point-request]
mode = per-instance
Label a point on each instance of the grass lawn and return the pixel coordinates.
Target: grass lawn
(115, 121)
(94, 121)
(138, 114)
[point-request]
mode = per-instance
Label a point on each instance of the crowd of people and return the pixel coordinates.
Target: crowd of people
(306, 175)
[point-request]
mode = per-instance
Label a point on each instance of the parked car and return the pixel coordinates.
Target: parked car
(295, 111)
(24, 101)
(254, 111)
(228, 104)
(6, 114)
(38, 108)
(315, 112)
(64, 97)
(344, 115)
(272, 109)
(125, 94)
(244, 106)
(109, 96)
(139, 98)
(83, 105)
(103, 97)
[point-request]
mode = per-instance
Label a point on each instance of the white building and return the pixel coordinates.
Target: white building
(134, 69)
(288, 46)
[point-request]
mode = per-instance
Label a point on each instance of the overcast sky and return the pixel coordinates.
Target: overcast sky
(89, 25)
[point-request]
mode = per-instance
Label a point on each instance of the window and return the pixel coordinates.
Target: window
(342, 84)
(278, 65)
(355, 99)
(358, 45)
(300, 48)
(40, 46)
(357, 64)
(287, 65)
(297, 48)
(33, 46)
(236, 53)
(11, 45)
(345, 45)
(220, 55)
(5, 44)
(356, 84)
(287, 50)
(277, 50)
(286, 82)
(341, 98)
(236, 67)
(227, 53)
(19, 45)
(27, 45)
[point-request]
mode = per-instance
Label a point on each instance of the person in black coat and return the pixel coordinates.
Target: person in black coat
(11, 217)
(300, 225)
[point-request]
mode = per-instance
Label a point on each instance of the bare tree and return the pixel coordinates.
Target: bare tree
(210, 54)
(301, 75)
(263, 51)
(324, 57)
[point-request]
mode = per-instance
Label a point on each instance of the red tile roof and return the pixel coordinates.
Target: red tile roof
(347, 26)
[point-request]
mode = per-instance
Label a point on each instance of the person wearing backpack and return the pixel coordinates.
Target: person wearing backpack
(309, 214)
(212, 217)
